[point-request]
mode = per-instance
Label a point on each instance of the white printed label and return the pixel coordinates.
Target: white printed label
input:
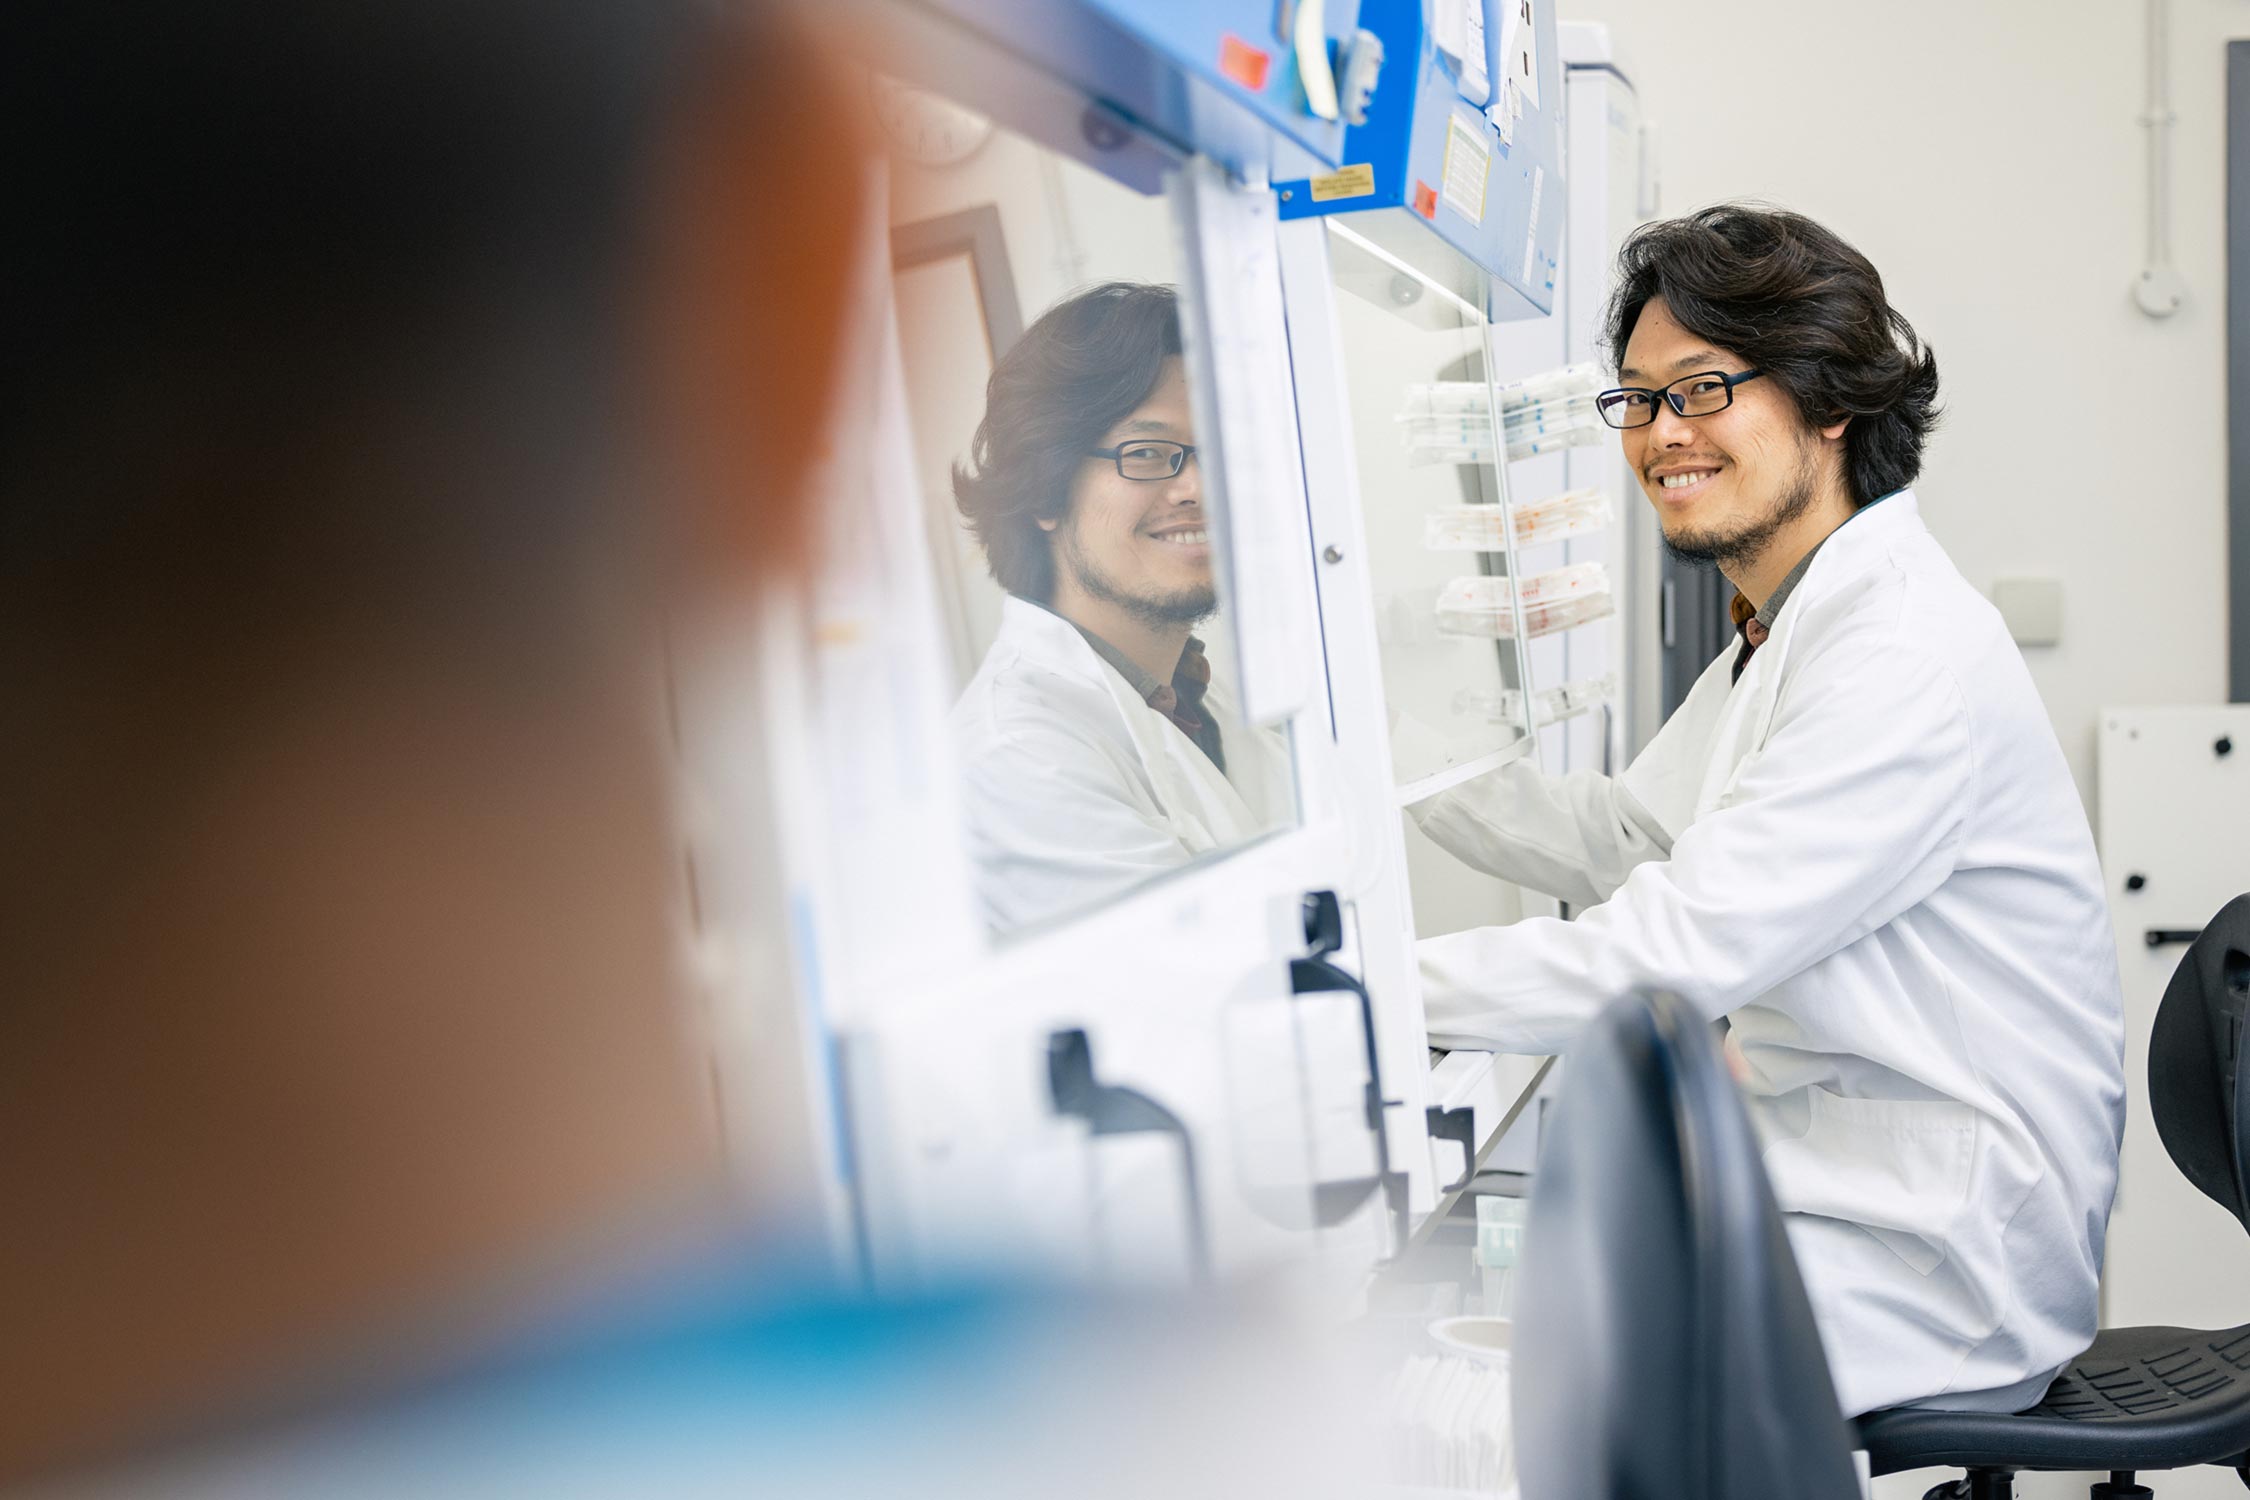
(1531, 226)
(1468, 163)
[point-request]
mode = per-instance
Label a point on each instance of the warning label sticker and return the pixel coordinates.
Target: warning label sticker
(1468, 163)
(1345, 182)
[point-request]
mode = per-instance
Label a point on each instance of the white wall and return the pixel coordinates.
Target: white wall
(1987, 155)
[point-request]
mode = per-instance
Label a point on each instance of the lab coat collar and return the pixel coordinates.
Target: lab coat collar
(1047, 638)
(1186, 777)
(1851, 547)
(1728, 718)
(1844, 554)
(1775, 602)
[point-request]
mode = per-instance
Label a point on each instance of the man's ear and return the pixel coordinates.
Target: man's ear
(1049, 523)
(1835, 429)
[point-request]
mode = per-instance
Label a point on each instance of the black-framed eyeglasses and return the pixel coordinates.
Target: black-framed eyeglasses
(1689, 396)
(1147, 458)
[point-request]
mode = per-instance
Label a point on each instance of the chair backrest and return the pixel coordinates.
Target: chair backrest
(1664, 1343)
(2198, 1086)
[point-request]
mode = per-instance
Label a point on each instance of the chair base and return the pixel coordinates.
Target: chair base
(1977, 1484)
(2120, 1487)
(1999, 1484)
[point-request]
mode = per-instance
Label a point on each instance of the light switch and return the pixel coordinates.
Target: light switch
(2032, 608)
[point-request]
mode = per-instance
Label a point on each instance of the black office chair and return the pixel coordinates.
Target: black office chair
(2140, 1398)
(1664, 1345)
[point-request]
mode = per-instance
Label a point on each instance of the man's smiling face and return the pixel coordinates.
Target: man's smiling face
(1142, 544)
(1724, 484)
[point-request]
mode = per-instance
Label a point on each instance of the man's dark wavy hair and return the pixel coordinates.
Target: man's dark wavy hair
(1077, 372)
(1792, 299)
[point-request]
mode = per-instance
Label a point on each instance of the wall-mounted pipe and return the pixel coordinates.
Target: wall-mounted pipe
(2158, 290)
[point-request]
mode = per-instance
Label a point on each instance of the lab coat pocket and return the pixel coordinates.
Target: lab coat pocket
(1898, 1168)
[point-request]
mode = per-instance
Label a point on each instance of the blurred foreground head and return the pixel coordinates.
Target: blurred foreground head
(372, 368)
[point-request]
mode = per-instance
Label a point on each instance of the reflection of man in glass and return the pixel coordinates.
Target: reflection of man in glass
(1097, 750)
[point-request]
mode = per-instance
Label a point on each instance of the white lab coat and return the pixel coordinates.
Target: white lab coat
(1076, 789)
(1868, 856)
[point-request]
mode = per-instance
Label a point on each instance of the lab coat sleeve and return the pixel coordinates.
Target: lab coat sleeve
(1575, 837)
(1057, 824)
(1851, 813)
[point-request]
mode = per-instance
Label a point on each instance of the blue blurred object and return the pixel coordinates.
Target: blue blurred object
(1248, 83)
(748, 1375)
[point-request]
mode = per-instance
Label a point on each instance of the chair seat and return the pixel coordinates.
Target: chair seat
(2140, 1398)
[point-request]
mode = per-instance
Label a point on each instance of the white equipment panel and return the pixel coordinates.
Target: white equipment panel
(2175, 846)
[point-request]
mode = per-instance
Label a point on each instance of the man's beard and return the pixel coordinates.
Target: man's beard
(1189, 606)
(1741, 544)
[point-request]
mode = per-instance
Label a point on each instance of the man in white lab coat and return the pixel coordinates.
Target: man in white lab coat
(1856, 840)
(1096, 749)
